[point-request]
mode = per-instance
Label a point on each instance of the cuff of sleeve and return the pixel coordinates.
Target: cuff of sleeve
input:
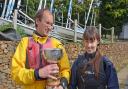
(64, 83)
(36, 74)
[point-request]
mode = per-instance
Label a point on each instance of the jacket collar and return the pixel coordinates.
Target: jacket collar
(90, 56)
(38, 38)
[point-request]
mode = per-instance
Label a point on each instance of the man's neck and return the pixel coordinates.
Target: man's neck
(38, 34)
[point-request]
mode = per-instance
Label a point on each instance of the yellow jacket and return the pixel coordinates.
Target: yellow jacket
(25, 76)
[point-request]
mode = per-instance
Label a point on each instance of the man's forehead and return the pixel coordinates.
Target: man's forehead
(47, 17)
(47, 13)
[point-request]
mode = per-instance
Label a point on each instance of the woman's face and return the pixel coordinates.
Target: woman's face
(90, 46)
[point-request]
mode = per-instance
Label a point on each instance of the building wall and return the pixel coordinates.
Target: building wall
(124, 33)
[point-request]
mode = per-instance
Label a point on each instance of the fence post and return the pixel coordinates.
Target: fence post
(62, 19)
(15, 19)
(112, 35)
(75, 31)
(100, 31)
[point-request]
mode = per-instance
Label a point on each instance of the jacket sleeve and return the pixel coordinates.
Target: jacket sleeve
(64, 65)
(111, 74)
(73, 80)
(18, 71)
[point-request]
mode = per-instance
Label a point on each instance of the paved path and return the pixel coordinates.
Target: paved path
(123, 78)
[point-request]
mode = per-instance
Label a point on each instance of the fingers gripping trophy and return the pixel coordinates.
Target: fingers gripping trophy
(52, 56)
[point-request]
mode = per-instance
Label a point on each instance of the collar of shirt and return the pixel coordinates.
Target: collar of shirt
(39, 39)
(90, 56)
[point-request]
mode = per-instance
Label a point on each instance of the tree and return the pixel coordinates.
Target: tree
(59, 7)
(32, 7)
(113, 13)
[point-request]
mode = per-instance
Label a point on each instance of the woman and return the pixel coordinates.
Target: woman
(91, 70)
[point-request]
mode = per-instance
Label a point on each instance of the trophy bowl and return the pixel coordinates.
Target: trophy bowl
(53, 53)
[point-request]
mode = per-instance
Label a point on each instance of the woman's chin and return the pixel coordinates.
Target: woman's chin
(89, 51)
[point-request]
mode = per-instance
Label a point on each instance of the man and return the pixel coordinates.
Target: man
(28, 65)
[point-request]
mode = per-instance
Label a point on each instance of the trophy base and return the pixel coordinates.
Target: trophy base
(53, 83)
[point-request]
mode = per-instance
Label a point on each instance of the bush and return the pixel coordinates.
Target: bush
(19, 30)
(4, 27)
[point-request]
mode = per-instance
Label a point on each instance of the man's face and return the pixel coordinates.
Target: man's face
(90, 46)
(45, 25)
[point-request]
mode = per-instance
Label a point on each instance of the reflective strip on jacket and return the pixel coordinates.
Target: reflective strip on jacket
(26, 76)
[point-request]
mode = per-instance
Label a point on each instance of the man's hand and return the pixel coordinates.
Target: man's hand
(48, 71)
(52, 61)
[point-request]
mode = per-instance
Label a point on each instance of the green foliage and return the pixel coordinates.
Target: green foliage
(4, 27)
(19, 30)
(113, 13)
(60, 6)
(32, 7)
